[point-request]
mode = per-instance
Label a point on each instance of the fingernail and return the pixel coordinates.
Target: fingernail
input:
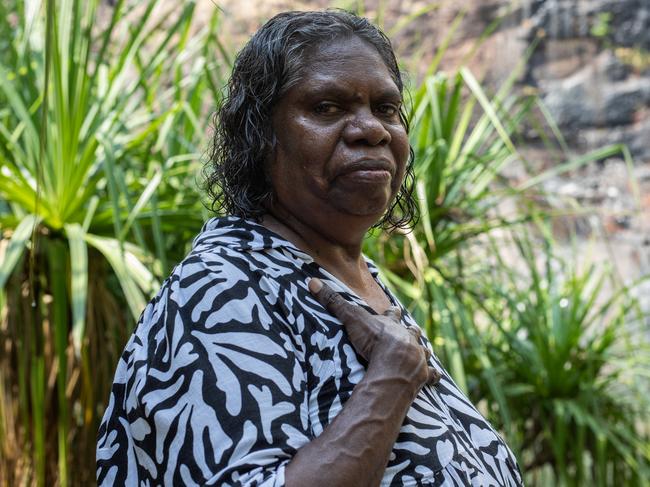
(315, 285)
(436, 377)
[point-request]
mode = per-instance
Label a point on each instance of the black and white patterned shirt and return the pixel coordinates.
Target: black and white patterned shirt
(234, 366)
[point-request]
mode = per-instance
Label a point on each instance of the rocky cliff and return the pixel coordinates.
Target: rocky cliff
(592, 68)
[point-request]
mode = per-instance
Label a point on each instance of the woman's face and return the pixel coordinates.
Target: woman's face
(341, 148)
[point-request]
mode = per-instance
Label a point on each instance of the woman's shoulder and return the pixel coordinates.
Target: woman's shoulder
(215, 293)
(233, 274)
(238, 234)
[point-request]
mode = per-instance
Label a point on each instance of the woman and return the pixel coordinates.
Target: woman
(274, 355)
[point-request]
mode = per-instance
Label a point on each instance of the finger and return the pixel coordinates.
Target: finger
(354, 318)
(333, 301)
(434, 376)
(394, 313)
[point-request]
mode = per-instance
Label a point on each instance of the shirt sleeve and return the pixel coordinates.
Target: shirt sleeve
(211, 388)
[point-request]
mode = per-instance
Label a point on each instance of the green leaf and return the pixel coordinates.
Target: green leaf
(17, 246)
(79, 282)
(136, 280)
(142, 202)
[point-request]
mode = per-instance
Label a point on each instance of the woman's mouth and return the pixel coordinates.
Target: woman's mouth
(367, 170)
(368, 175)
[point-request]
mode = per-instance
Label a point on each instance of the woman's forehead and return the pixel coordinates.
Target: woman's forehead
(331, 50)
(327, 63)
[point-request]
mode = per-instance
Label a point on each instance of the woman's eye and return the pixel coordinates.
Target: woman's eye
(326, 108)
(388, 109)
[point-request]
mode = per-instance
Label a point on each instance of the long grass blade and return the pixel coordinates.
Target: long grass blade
(79, 283)
(134, 277)
(58, 285)
(16, 247)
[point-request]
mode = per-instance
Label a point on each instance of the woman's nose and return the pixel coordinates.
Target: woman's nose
(364, 127)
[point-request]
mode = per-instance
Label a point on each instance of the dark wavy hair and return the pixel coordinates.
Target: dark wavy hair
(265, 69)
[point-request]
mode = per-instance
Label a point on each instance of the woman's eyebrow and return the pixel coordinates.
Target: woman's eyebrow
(318, 88)
(343, 90)
(390, 94)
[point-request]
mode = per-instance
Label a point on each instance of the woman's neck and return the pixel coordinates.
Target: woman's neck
(341, 258)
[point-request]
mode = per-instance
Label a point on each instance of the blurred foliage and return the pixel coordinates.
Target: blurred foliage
(99, 199)
(601, 27)
(561, 346)
(636, 57)
(100, 168)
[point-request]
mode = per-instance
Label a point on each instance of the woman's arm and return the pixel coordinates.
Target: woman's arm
(353, 450)
(209, 389)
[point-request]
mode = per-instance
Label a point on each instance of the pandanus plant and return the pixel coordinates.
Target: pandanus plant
(568, 344)
(102, 129)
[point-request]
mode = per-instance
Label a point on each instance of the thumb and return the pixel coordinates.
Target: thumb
(356, 320)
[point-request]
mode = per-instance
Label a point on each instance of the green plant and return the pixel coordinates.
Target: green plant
(100, 139)
(572, 362)
(601, 28)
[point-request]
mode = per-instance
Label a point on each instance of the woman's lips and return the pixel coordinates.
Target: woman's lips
(368, 175)
(367, 171)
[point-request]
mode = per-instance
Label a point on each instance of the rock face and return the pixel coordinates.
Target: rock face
(627, 21)
(592, 68)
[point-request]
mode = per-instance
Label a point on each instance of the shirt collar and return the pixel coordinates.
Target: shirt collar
(249, 236)
(244, 235)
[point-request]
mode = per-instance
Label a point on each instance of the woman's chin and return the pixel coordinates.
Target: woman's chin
(368, 194)
(363, 208)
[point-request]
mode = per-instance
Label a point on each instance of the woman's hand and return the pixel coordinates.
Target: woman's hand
(354, 448)
(381, 339)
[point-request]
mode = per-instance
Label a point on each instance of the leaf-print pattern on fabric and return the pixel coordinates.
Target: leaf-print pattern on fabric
(234, 366)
